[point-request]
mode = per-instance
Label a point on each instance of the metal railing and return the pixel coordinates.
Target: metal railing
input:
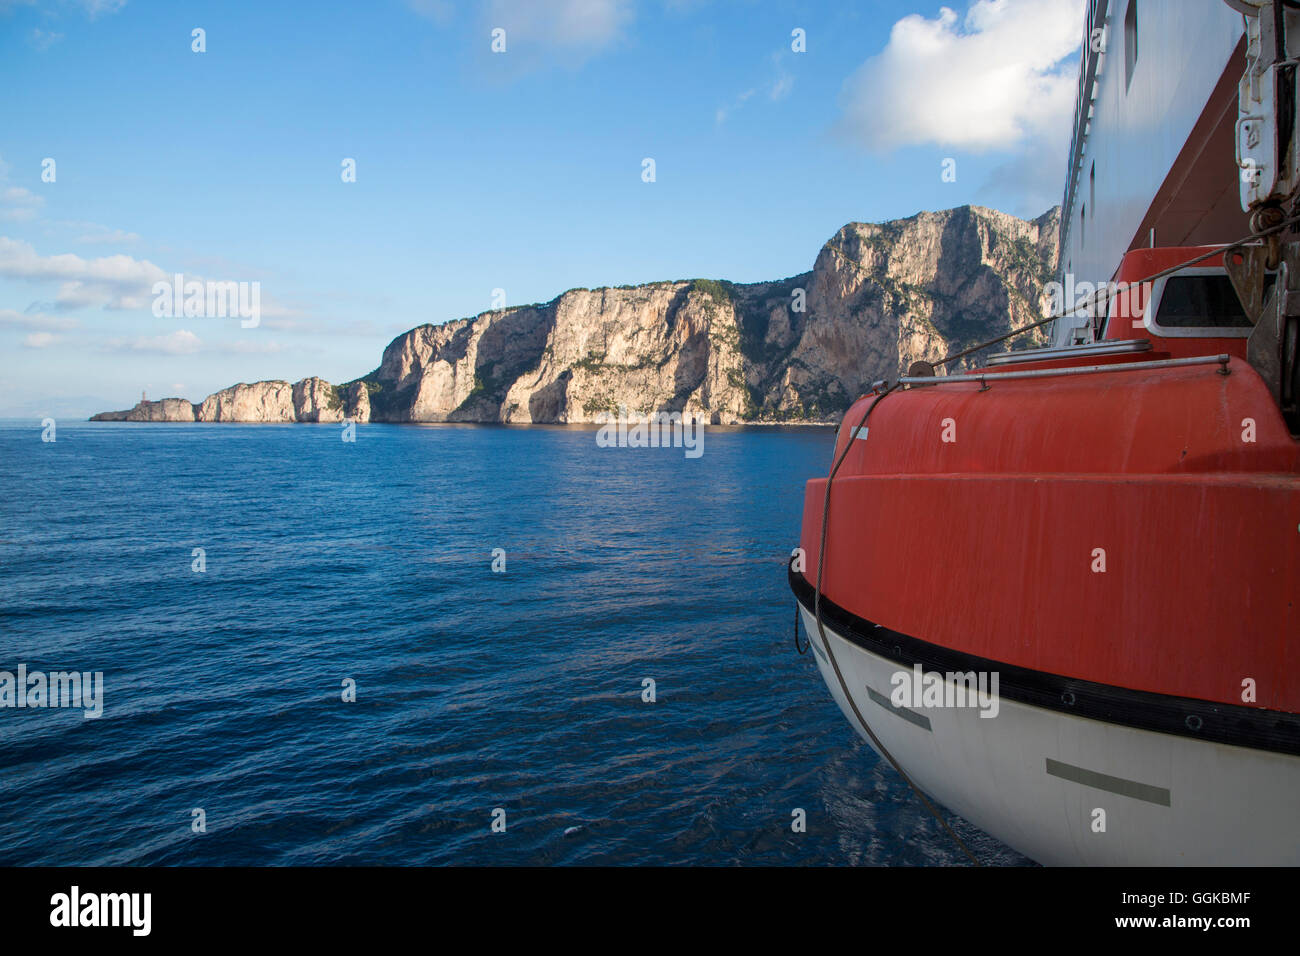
(983, 378)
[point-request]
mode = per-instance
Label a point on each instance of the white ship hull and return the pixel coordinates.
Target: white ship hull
(1036, 778)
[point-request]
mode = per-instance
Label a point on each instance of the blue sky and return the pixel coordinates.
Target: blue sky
(475, 170)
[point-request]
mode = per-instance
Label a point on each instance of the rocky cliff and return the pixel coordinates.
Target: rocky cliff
(311, 400)
(879, 297)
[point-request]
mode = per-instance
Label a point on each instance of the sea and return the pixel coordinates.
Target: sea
(428, 645)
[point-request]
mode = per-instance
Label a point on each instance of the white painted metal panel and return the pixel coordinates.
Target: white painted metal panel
(1139, 127)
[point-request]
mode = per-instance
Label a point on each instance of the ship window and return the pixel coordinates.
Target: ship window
(1130, 41)
(1198, 302)
(1092, 188)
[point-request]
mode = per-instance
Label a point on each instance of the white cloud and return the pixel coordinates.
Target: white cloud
(18, 204)
(115, 282)
(539, 27)
(18, 259)
(992, 80)
(92, 8)
(290, 325)
(777, 88)
(723, 112)
(92, 233)
(111, 282)
(95, 8)
(40, 340)
(439, 11)
(781, 87)
(41, 40)
(539, 34)
(248, 347)
(36, 320)
(185, 342)
(570, 24)
(180, 342)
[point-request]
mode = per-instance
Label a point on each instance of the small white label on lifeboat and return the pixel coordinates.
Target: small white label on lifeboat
(862, 433)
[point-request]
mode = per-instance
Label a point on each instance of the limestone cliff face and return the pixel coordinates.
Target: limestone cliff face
(884, 296)
(259, 402)
(163, 410)
(316, 400)
(311, 400)
(356, 402)
(669, 345)
(879, 297)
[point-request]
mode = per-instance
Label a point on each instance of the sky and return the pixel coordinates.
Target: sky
(369, 167)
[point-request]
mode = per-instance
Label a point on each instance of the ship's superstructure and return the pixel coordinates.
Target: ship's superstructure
(1150, 160)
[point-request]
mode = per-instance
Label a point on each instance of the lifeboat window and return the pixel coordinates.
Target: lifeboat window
(1198, 305)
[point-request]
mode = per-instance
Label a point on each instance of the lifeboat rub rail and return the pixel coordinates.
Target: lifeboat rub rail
(982, 377)
(1255, 728)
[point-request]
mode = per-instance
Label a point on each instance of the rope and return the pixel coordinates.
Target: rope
(830, 653)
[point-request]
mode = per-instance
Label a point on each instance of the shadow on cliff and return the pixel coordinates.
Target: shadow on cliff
(546, 405)
(509, 348)
(970, 303)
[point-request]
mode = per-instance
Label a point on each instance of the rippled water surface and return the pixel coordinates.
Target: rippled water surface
(522, 690)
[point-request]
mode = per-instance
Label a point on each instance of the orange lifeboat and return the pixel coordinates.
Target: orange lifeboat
(1060, 592)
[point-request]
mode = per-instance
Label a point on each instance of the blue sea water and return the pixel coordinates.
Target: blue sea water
(372, 561)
